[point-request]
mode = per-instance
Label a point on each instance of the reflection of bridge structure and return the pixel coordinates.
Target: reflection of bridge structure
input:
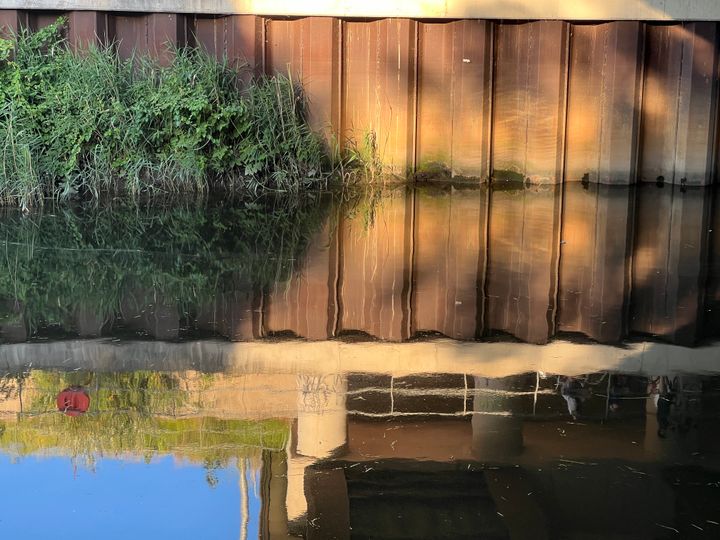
(418, 412)
(604, 262)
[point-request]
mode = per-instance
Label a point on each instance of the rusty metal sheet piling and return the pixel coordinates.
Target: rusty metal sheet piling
(379, 89)
(605, 91)
(156, 34)
(538, 101)
(308, 50)
(680, 104)
(454, 95)
(236, 38)
(9, 22)
(86, 28)
(528, 140)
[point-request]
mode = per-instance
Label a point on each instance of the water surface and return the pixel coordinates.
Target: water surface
(437, 362)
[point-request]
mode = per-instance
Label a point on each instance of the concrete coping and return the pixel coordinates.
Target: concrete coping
(578, 10)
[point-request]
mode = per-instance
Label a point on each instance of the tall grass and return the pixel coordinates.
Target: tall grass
(83, 124)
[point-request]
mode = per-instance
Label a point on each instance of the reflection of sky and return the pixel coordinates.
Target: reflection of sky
(46, 498)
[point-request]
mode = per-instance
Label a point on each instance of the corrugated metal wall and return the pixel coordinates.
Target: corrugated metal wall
(543, 101)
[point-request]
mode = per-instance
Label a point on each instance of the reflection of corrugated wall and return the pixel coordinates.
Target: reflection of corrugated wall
(608, 262)
(544, 101)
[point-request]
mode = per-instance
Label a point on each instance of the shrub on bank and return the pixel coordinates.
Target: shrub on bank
(82, 124)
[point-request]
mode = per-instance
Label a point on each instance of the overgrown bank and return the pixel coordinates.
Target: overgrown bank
(84, 124)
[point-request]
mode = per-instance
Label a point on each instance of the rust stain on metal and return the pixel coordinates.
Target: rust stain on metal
(530, 100)
(308, 50)
(604, 102)
(454, 92)
(379, 89)
(680, 104)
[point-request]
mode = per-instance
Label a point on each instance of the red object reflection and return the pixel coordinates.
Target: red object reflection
(73, 401)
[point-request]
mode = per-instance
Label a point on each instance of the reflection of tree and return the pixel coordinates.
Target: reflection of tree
(316, 390)
(137, 413)
(55, 265)
(11, 386)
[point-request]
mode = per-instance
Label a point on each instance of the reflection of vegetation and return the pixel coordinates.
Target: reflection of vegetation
(114, 433)
(507, 175)
(53, 265)
(143, 392)
(364, 202)
(132, 413)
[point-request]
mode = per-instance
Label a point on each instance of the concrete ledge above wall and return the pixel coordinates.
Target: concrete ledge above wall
(596, 10)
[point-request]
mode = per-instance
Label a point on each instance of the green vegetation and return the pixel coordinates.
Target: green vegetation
(138, 413)
(84, 124)
(56, 262)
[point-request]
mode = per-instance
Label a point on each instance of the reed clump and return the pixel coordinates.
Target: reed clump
(83, 124)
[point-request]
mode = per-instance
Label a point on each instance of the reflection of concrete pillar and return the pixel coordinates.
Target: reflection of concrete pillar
(652, 443)
(322, 415)
(514, 497)
(494, 435)
(295, 501)
(328, 504)
(275, 480)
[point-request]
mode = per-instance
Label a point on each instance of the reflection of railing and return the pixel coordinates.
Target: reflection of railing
(605, 391)
(437, 401)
